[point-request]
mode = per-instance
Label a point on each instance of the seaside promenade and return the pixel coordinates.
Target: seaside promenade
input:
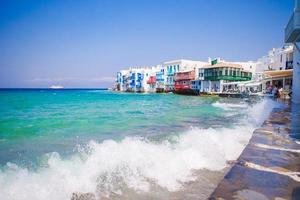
(269, 166)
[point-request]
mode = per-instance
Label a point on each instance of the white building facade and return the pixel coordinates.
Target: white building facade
(172, 67)
(277, 59)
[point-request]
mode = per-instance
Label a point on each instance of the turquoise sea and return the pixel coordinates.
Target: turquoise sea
(118, 145)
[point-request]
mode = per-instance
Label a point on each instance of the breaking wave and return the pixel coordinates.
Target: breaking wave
(229, 106)
(107, 168)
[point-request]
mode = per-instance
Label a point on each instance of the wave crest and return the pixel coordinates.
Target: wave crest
(110, 167)
(135, 163)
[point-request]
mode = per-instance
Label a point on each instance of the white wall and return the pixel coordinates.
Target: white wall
(275, 59)
(184, 65)
(123, 87)
(248, 66)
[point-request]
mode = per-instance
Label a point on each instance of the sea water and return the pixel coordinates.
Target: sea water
(119, 145)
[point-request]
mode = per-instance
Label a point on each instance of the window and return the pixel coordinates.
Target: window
(215, 72)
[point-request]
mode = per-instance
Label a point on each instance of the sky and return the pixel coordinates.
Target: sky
(83, 43)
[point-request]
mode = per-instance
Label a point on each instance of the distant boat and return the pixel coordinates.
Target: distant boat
(56, 87)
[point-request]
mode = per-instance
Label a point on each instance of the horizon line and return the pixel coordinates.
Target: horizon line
(46, 88)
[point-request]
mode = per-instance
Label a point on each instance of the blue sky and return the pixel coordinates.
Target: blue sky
(83, 43)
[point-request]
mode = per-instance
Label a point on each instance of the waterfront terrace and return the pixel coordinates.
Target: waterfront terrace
(225, 71)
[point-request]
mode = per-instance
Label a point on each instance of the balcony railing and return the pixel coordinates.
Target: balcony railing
(152, 80)
(184, 76)
(182, 87)
(228, 77)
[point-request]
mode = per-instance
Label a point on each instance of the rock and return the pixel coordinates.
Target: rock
(83, 196)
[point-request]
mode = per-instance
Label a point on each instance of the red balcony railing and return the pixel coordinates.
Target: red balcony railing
(151, 80)
(190, 75)
(178, 86)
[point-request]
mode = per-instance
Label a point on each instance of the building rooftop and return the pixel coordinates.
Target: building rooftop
(222, 64)
(183, 60)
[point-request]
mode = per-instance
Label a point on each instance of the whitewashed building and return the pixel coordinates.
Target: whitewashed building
(137, 79)
(292, 36)
(172, 67)
(276, 59)
(122, 81)
(250, 66)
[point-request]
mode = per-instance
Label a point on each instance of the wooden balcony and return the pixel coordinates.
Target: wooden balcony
(151, 80)
(190, 75)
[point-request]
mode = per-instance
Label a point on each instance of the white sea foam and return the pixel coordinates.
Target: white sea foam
(132, 162)
(256, 113)
(105, 168)
(260, 111)
(229, 106)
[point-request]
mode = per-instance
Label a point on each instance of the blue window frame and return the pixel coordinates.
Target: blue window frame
(132, 77)
(140, 77)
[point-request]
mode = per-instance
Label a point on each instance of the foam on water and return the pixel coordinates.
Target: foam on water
(258, 113)
(136, 163)
(229, 106)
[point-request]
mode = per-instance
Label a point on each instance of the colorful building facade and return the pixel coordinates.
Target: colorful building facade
(183, 82)
(160, 79)
(214, 75)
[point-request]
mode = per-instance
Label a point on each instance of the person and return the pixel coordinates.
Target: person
(280, 93)
(268, 88)
(275, 91)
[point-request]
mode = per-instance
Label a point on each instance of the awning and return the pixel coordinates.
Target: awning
(253, 84)
(278, 73)
(236, 83)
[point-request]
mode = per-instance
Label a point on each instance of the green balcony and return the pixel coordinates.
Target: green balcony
(228, 78)
(227, 73)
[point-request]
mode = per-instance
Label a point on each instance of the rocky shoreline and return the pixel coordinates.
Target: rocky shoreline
(269, 166)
